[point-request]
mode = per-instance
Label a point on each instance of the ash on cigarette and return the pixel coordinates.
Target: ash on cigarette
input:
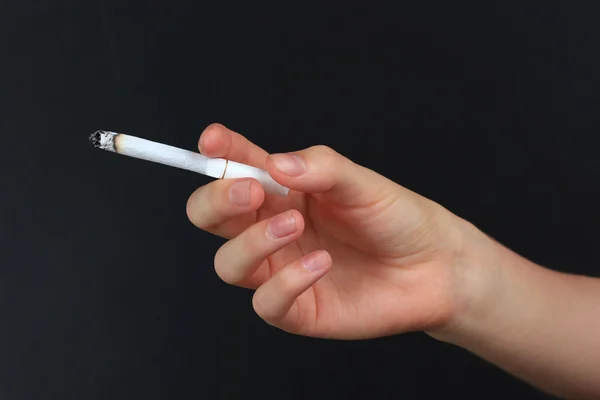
(95, 138)
(104, 140)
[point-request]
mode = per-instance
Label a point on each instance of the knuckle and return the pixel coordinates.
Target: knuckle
(324, 151)
(195, 207)
(213, 196)
(215, 126)
(223, 268)
(326, 155)
(262, 309)
(191, 210)
(208, 206)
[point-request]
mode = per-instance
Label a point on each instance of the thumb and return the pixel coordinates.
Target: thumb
(320, 169)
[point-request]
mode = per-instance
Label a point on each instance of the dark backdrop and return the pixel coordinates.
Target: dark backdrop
(107, 291)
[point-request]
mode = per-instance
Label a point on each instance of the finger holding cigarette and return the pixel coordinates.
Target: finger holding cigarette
(218, 168)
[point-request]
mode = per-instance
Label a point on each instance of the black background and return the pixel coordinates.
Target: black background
(108, 291)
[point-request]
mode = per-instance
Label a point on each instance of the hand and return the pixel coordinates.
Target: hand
(347, 254)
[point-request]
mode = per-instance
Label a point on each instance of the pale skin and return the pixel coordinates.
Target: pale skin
(350, 254)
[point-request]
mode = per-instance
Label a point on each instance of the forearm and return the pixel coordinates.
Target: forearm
(540, 325)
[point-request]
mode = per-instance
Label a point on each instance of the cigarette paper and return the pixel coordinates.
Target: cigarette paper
(219, 168)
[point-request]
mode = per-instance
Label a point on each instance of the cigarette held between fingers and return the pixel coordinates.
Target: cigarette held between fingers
(219, 168)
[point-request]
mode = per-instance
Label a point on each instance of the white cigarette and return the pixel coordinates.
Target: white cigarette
(219, 168)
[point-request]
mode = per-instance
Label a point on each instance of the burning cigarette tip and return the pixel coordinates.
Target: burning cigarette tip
(103, 140)
(95, 138)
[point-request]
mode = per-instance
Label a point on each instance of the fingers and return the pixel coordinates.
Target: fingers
(237, 261)
(275, 300)
(219, 141)
(225, 207)
(320, 169)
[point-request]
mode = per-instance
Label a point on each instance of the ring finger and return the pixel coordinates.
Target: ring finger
(237, 262)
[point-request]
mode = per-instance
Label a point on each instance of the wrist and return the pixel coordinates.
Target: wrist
(480, 283)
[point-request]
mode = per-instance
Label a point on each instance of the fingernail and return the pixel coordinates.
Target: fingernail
(239, 193)
(316, 261)
(282, 225)
(289, 164)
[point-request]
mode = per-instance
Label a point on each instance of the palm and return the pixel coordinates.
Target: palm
(369, 286)
(389, 266)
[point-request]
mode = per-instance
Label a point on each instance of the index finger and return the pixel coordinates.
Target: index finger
(219, 141)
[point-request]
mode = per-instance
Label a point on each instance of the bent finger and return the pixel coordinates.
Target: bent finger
(225, 207)
(275, 301)
(238, 260)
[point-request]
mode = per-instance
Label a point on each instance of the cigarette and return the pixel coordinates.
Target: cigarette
(219, 168)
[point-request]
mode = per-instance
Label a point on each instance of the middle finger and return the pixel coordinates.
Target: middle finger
(225, 207)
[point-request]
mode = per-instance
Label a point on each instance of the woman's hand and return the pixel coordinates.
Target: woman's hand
(350, 254)
(347, 254)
